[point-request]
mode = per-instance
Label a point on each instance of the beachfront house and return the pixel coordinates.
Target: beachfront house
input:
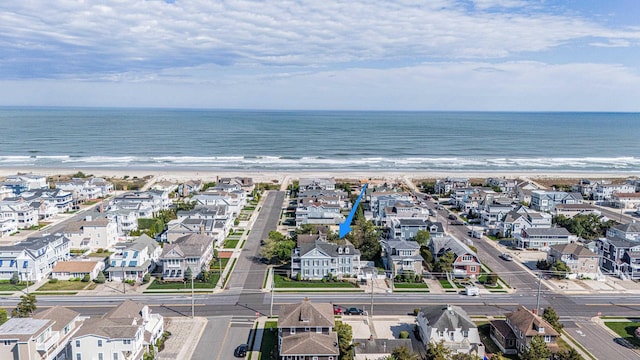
(606, 191)
(86, 188)
(305, 331)
(451, 326)
(25, 182)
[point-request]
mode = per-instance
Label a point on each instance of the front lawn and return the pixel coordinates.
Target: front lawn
(625, 330)
(64, 285)
(6, 285)
(230, 244)
(102, 254)
(445, 284)
(269, 346)
(286, 282)
(174, 285)
(419, 285)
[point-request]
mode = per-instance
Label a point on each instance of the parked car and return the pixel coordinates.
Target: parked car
(624, 342)
(452, 217)
(354, 311)
(241, 351)
(339, 310)
(506, 257)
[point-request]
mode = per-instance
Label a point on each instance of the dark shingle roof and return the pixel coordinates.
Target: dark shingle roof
(449, 317)
(306, 314)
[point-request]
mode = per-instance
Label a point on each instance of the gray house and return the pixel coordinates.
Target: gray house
(452, 326)
(402, 256)
(317, 259)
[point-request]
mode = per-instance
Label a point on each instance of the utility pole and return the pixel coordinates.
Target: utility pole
(192, 299)
(272, 289)
(538, 296)
(124, 288)
(372, 292)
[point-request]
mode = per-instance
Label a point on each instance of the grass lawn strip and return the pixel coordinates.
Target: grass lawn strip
(624, 329)
(284, 282)
(410, 286)
(64, 285)
(269, 346)
(231, 244)
(445, 284)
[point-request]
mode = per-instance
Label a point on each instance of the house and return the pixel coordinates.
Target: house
(630, 231)
(33, 258)
(86, 188)
(189, 187)
(193, 251)
(612, 252)
(514, 333)
(125, 332)
(377, 349)
(543, 238)
(606, 191)
(543, 200)
(314, 258)
(44, 336)
(126, 220)
(465, 260)
(571, 210)
(305, 184)
(452, 326)
(146, 203)
(522, 218)
(402, 257)
(305, 330)
(408, 228)
(445, 186)
(133, 260)
(318, 214)
(625, 200)
(505, 185)
(583, 262)
(67, 270)
(25, 182)
(92, 233)
(234, 200)
(17, 215)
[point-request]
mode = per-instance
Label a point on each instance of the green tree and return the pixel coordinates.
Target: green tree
(403, 353)
(444, 263)
(345, 338)
(15, 278)
(550, 315)
(26, 307)
(492, 279)
(145, 278)
(537, 350)
(462, 356)
(86, 278)
(100, 278)
(437, 351)
(560, 269)
(277, 248)
(188, 274)
(365, 238)
(427, 255)
(570, 354)
(4, 316)
(422, 237)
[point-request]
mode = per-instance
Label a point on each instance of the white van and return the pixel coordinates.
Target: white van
(472, 290)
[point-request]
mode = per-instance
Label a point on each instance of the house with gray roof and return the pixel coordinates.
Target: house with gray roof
(465, 261)
(408, 228)
(305, 330)
(92, 233)
(133, 260)
(402, 257)
(33, 258)
(193, 251)
(514, 334)
(214, 221)
(452, 326)
(630, 231)
(619, 256)
(316, 258)
(583, 262)
(125, 332)
(543, 238)
(543, 200)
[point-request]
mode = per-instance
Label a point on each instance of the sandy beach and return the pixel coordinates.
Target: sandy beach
(179, 175)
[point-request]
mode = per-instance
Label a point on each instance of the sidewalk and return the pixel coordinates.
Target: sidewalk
(185, 335)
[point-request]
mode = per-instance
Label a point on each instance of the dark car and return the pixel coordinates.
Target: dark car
(452, 217)
(241, 351)
(624, 342)
(354, 311)
(338, 310)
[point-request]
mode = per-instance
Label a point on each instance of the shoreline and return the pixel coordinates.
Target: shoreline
(168, 174)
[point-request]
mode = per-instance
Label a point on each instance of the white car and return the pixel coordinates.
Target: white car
(506, 257)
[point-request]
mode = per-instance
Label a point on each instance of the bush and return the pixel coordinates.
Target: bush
(15, 278)
(86, 278)
(298, 276)
(404, 334)
(100, 279)
(146, 278)
(53, 281)
(416, 311)
(100, 251)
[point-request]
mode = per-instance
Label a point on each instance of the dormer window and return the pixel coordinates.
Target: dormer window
(339, 250)
(346, 250)
(541, 329)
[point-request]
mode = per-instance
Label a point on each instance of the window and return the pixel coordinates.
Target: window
(472, 269)
(115, 356)
(318, 329)
(100, 356)
(306, 329)
(292, 330)
(99, 343)
(547, 338)
(7, 342)
(78, 356)
(77, 343)
(126, 341)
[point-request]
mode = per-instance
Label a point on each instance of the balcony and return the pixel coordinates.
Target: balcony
(49, 343)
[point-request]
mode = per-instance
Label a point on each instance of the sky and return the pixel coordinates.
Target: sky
(504, 55)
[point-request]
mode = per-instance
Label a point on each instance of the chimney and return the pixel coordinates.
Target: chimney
(202, 228)
(185, 192)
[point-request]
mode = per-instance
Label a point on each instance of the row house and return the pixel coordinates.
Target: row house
(44, 336)
(523, 218)
(34, 258)
(465, 261)
(543, 200)
(582, 262)
(126, 332)
(92, 234)
(313, 258)
(86, 188)
(193, 251)
(447, 185)
(402, 257)
(543, 238)
(606, 191)
(305, 184)
(408, 228)
(514, 334)
(625, 200)
(619, 256)
(305, 331)
(25, 182)
(450, 326)
(133, 260)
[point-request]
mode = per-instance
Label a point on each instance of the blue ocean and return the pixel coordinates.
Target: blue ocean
(319, 140)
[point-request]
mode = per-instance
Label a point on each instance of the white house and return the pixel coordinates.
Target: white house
(452, 326)
(67, 270)
(92, 234)
(193, 251)
(125, 332)
(34, 258)
(134, 260)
